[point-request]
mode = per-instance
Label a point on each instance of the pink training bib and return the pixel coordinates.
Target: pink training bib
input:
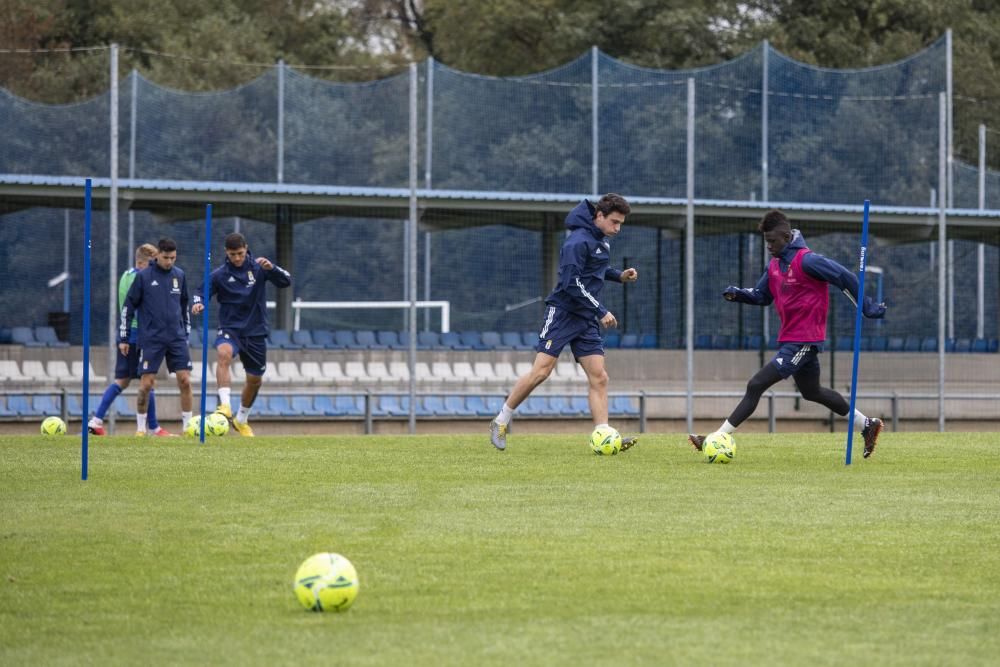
(801, 301)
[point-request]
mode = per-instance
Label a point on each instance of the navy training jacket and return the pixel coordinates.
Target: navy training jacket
(584, 265)
(242, 296)
(160, 301)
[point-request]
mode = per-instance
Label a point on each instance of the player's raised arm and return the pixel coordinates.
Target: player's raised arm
(824, 268)
(277, 275)
(755, 296)
(571, 263)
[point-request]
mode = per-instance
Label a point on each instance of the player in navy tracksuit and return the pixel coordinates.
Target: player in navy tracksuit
(573, 313)
(159, 297)
(240, 287)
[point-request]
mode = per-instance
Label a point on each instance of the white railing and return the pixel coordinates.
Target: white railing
(298, 305)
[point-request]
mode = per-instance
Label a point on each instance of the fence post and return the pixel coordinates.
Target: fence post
(64, 409)
(281, 121)
(895, 412)
(411, 238)
(369, 426)
(942, 249)
(113, 219)
(642, 412)
(689, 257)
(770, 412)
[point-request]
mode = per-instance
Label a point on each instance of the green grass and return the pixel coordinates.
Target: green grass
(173, 553)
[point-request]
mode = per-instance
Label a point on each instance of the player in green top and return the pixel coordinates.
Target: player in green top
(127, 366)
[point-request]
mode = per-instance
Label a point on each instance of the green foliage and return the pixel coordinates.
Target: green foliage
(178, 553)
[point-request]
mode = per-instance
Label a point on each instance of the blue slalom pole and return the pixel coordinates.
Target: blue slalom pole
(857, 331)
(87, 202)
(204, 317)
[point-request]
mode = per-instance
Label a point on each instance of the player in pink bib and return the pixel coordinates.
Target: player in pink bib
(796, 282)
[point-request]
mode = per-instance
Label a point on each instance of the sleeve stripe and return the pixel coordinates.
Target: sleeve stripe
(587, 294)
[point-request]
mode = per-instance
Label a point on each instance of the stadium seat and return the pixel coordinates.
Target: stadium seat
(612, 340)
(949, 345)
(623, 405)
(378, 372)
(580, 404)
(491, 340)
(305, 406)
(357, 372)
(895, 344)
(963, 345)
(58, 370)
(428, 340)
(36, 372)
(929, 344)
(561, 405)
(5, 338)
(345, 339)
(333, 371)
(529, 339)
(5, 412)
(755, 342)
(980, 345)
(504, 372)
(994, 345)
(844, 344)
(703, 342)
(280, 339)
(648, 341)
(911, 344)
(565, 371)
(772, 342)
(422, 371)
(483, 372)
(47, 335)
(24, 336)
(534, 406)
(511, 340)
(74, 404)
(346, 406)
(434, 405)
(630, 341)
(442, 372)
(367, 340)
(290, 370)
(455, 405)
(303, 338)
(472, 339)
(195, 339)
(313, 373)
(45, 404)
(879, 343)
(390, 405)
(282, 406)
(126, 408)
(462, 370)
(324, 338)
(20, 404)
(77, 370)
(476, 405)
(453, 341)
(399, 371)
(389, 339)
(723, 342)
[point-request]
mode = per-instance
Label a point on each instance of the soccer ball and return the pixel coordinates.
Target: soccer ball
(53, 426)
(216, 424)
(605, 441)
(193, 428)
(719, 448)
(326, 582)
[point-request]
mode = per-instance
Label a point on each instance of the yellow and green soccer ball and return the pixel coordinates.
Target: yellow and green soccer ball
(719, 448)
(605, 441)
(53, 426)
(326, 582)
(193, 428)
(216, 424)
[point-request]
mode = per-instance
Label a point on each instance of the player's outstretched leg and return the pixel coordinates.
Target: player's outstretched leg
(870, 433)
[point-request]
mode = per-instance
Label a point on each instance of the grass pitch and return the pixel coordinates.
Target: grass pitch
(175, 553)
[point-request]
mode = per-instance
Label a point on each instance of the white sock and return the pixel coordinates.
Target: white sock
(506, 412)
(859, 420)
(96, 421)
(140, 422)
(185, 418)
(599, 426)
(242, 414)
(726, 428)
(224, 394)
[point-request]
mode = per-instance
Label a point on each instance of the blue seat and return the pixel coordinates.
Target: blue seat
(368, 341)
(949, 345)
(929, 344)
(450, 340)
(126, 408)
(529, 339)
(491, 340)
(755, 342)
(325, 339)
(703, 342)
(612, 339)
(623, 405)
(562, 406)
(392, 406)
(472, 339)
(772, 342)
(389, 339)
(580, 404)
(303, 338)
(345, 406)
(534, 406)
(994, 345)
(434, 405)
(280, 405)
(24, 336)
(493, 404)
(845, 344)
(20, 404)
(477, 405)
(723, 342)
(47, 335)
(456, 406)
(404, 340)
(4, 410)
(345, 339)
(428, 340)
(980, 345)
(74, 404)
(45, 404)
(305, 405)
(195, 339)
(911, 344)
(963, 345)
(5, 338)
(879, 343)
(630, 341)
(511, 340)
(648, 341)
(895, 344)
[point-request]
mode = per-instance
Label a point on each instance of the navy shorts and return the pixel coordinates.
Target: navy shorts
(252, 349)
(127, 365)
(561, 328)
(794, 358)
(176, 353)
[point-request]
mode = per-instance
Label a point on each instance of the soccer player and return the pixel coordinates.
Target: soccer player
(574, 315)
(159, 295)
(239, 285)
(127, 366)
(796, 281)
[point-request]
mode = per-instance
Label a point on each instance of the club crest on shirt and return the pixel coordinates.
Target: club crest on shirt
(250, 279)
(176, 289)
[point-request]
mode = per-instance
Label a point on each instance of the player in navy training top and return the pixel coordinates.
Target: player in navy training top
(239, 286)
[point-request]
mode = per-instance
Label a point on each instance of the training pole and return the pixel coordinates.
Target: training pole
(857, 331)
(206, 289)
(86, 326)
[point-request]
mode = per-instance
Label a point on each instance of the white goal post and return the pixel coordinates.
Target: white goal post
(298, 305)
